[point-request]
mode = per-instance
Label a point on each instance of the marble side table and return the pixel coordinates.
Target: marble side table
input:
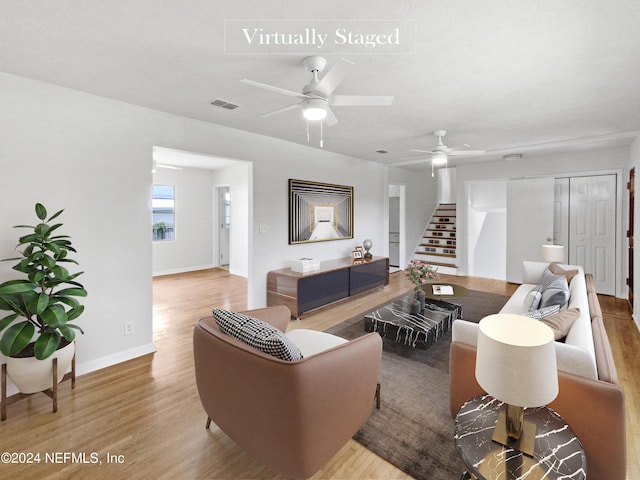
(558, 452)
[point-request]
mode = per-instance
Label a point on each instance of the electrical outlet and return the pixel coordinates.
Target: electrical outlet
(128, 328)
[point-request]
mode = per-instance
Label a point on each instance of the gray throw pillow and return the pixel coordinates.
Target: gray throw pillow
(555, 290)
(543, 312)
(533, 298)
(258, 334)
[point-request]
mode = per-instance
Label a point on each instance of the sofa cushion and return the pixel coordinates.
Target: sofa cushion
(543, 312)
(555, 289)
(532, 300)
(311, 342)
(561, 322)
(557, 270)
(257, 334)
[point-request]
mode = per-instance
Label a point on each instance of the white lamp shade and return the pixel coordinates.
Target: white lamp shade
(553, 253)
(516, 360)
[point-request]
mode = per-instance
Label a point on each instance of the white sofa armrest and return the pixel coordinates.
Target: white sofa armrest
(570, 359)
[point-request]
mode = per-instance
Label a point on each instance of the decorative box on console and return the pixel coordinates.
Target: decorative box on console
(305, 265)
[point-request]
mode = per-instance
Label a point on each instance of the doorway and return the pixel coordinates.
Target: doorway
(630, 232)
(223, 225)
(397, 255)
(588, 227)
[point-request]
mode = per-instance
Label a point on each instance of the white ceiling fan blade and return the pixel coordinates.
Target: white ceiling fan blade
(424, 155)
(410, 162)
(334, 76)
(274, 89)
(330, 119)
(461, 153)
(280, 110)
(347, 100)
(422, 151)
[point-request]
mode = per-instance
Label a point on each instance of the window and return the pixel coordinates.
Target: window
(163, 207)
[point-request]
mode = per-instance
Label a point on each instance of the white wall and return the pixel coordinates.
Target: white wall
(92, 156)
(612, 160)
(446, 185)
(486, 229)
(191, 248)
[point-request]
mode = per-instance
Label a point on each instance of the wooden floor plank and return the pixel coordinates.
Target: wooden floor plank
(146, 412)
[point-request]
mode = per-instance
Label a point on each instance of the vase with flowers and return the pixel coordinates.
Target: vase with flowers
(419, 272)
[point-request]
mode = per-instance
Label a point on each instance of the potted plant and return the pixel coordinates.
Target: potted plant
(42, 305)
(159, 229)
(419, 271)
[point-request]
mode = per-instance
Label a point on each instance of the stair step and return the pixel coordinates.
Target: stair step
(438, 242)
(442, 264)
(437, 254)
(439, 234)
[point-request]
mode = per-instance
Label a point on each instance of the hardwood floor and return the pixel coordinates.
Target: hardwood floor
(145, 415)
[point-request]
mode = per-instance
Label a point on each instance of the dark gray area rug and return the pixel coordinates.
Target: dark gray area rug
(413, 429)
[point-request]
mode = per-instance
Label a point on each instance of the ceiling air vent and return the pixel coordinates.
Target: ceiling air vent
(223, 104)
(382, 151)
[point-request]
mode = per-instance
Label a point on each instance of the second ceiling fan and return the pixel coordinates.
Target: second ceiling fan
(440, 153)
(317, 98)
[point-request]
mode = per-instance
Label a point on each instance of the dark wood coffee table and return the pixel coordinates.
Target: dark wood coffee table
(393, 321)
(458, 291)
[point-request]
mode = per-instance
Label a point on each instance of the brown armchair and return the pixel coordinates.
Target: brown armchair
(291, 416)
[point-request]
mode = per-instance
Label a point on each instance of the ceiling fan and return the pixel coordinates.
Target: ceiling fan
(317, 98)
(440, 153)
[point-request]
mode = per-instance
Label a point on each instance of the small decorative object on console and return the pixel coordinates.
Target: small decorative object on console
(367, 244)
(305, 265)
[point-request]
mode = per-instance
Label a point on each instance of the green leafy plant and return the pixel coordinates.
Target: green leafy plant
(43, 303)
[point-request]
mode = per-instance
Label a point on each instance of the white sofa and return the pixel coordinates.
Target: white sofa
(576, 354)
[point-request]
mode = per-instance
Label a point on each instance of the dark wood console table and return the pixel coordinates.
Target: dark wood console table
(336, 280)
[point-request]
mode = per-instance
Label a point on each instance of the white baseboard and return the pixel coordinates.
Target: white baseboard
(183, 270)
(83, 368)
(109, 360)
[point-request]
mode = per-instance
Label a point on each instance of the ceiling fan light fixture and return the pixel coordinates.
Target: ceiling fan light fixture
(439, 158)
(314, 109)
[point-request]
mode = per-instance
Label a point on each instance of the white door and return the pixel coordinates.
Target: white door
(592, 228)
(530, 205)
(224, 224)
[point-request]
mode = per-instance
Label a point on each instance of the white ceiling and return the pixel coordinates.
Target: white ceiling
(502, 75)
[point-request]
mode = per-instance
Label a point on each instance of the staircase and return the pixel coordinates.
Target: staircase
(438, 243)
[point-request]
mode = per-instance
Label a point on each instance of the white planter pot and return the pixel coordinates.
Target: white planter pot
(31, 375)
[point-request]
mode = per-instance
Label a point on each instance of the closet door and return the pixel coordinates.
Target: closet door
(592, 228)
(530, 205)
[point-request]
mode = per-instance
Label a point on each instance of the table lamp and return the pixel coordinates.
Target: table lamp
(553, 253)
(516, 364)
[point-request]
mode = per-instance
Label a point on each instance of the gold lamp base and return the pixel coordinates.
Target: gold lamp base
(524, 443)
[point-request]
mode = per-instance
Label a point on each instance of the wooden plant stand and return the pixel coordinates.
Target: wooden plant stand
(50, 392)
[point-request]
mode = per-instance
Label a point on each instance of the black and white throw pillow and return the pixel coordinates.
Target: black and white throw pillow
(258, 334)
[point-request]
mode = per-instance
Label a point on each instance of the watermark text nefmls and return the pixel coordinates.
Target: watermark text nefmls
(319, 36)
